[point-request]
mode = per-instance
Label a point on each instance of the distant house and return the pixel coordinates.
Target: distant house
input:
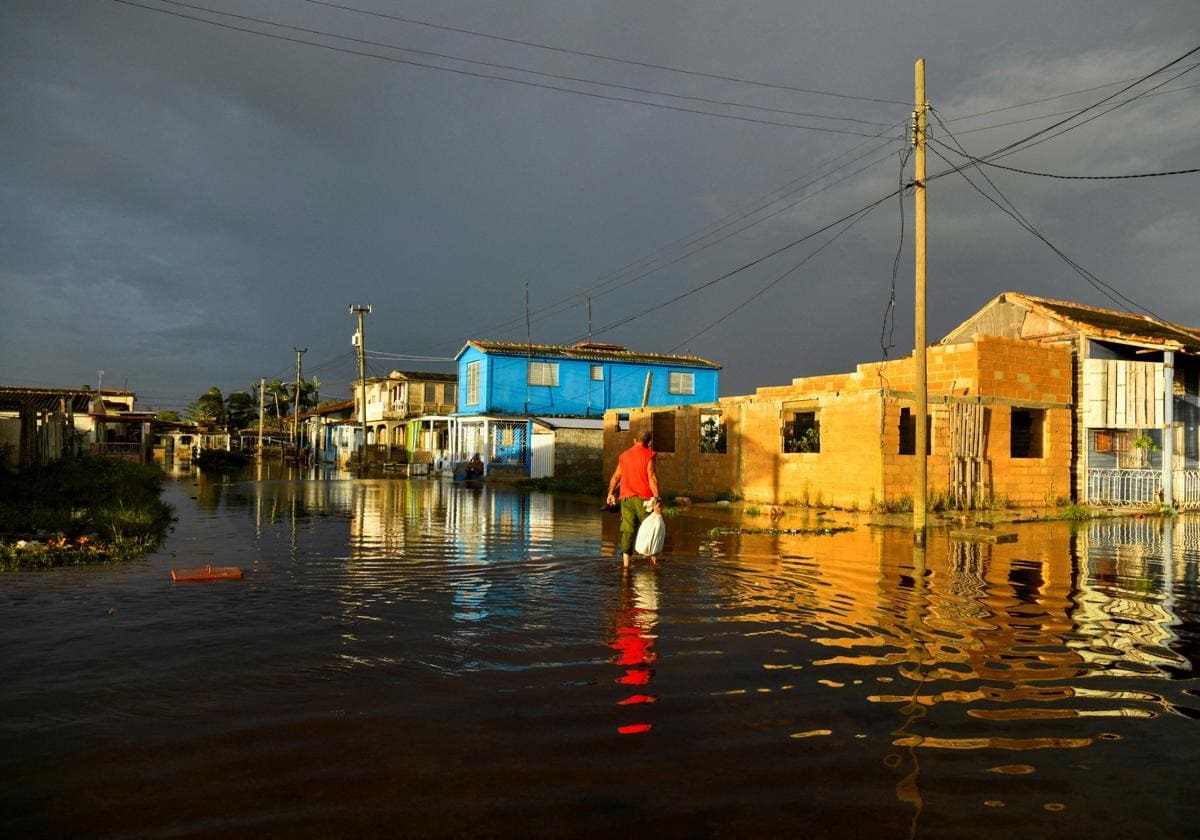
(330, 432)
(407, 415)
(1031, 402)
(515, 400)
(39, 425)
(1136, 388)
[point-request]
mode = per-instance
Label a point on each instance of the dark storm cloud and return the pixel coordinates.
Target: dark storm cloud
(183, 203)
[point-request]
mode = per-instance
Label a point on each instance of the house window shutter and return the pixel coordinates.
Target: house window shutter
(680, 382)
(473, 383)
(543, 373)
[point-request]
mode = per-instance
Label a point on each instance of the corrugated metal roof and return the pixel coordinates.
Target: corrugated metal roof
(586, 351)
(424, 376)
(1107, 323)
(570, 422)
(44, 399)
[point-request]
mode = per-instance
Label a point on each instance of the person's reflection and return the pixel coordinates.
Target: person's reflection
(634, 639)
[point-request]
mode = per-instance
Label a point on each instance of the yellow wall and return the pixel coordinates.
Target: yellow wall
(858, 466)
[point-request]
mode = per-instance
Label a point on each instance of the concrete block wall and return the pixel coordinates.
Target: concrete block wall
(686, 471)
(859, 465)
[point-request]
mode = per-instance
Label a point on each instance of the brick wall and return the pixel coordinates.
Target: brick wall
(859, 465)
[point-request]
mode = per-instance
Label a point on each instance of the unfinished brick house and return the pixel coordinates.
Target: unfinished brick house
(1000, 427)
(1032, 402)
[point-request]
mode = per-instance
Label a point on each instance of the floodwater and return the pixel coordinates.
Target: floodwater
(415, 658)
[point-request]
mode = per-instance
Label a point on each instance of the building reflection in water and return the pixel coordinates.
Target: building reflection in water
(1012, 648)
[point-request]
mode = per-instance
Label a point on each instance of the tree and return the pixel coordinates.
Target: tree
(168, 416)
(209, 408)
(241, 410)
(277, 392)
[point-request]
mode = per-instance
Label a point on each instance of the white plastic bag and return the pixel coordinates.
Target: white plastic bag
(651, 535)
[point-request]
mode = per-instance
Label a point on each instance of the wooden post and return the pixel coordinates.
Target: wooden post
(362, 379)
(920, 480)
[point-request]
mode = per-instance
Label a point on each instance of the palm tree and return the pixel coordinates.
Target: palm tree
(278, 392)
(241, 410)
(209, 408)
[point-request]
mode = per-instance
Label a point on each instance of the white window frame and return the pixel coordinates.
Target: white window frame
(681, 382)
(472, 383)
(543, 373)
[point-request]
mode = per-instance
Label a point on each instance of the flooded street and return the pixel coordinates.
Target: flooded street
(418, 658)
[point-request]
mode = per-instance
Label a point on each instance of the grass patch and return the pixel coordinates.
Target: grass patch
(721, 532)
(81, 510)
(1074, 513)
(581, 485)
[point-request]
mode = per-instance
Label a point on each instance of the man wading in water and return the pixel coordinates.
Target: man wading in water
(639, 484)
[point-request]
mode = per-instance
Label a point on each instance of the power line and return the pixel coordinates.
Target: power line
(1106, 289)
(1040, 101)
(1010, 123)
(498, 66)
(646, 266)
(695, 289)
(980, 162)
(601, 57)
(461, 72)
(854, 221)
(1024, 143)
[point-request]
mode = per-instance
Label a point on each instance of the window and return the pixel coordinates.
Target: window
(908, 433)
(449, 393)
(472, 383)
(430, 392)
(679, 382)
(597, 373)
(801, 430)
(1025, 434)
(543, 373)
(712, 433)
(664, 431)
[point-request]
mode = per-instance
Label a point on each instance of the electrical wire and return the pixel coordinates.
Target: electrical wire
(472, 74)
(1073, 177)
(1040, 101)
(888, 330)
(601, 57)
(1106, 289)
(854, 221)
(1025, 143)
(708, 284)
(692, 244)
(1010, 123)
(498, 66)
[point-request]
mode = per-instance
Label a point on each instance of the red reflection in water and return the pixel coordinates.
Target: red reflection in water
(634, 642)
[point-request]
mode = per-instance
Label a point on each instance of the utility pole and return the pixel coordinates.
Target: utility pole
(262, 390)
(361, 342)
(296, 412)
(920, 482)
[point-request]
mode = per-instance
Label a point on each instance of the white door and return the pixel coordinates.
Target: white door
(541, 463)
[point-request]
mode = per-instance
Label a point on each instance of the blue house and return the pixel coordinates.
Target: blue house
(514, 399)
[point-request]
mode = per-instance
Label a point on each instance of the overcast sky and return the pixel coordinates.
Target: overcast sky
(182, 203)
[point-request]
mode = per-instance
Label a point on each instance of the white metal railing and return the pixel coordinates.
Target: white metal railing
(1186, 489)
(1124, 487)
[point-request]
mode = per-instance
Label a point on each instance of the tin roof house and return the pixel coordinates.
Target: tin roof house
(537, 409)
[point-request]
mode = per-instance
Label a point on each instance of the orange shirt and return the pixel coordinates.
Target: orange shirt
(634, 481)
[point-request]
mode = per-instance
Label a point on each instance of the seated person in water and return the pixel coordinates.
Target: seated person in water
(474, 467)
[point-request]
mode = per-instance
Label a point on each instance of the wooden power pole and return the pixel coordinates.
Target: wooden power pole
(361, 341)
(920, 481)
(296, 411)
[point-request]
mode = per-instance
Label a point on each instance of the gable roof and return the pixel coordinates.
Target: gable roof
(585, 351)
(1094, 322)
